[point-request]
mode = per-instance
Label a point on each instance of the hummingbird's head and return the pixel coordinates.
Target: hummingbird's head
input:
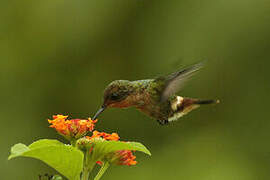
(116, 95)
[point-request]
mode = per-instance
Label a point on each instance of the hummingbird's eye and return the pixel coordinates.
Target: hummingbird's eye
(115, 96)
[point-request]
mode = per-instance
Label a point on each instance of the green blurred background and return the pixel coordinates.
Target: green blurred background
(58, 56)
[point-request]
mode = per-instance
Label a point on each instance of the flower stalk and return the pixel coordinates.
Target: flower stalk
(85, 175)
(102, 170)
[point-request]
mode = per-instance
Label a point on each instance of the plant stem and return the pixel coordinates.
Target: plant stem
(85, 174)
(102, 170)
(88, 166)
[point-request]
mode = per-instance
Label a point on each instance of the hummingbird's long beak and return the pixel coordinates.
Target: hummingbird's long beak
(99, 112)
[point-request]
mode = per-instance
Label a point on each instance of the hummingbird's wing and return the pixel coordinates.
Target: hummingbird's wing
(174, 82)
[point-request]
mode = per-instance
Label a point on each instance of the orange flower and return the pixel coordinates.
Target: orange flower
(74, 128)
(122, 157)
(106, 136)
(125, 157)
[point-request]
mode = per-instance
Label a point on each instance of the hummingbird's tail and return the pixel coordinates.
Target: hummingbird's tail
(183, 105)
(188, 104)
(201, 102)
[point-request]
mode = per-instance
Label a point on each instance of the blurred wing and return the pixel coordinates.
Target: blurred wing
(175, 81)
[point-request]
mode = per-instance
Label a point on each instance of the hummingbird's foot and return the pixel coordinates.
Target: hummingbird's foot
(163, 122)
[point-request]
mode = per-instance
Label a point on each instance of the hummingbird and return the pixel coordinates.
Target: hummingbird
(155, 97)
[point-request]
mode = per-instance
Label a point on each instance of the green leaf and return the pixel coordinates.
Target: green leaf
(66, 159)
(17, 150)
(106, 147)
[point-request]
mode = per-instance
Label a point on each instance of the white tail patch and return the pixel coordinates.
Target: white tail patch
(182, 111)
(177, 102)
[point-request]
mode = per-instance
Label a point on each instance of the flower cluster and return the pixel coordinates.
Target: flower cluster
(73, 128)
(78, 128)
(125, 157)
